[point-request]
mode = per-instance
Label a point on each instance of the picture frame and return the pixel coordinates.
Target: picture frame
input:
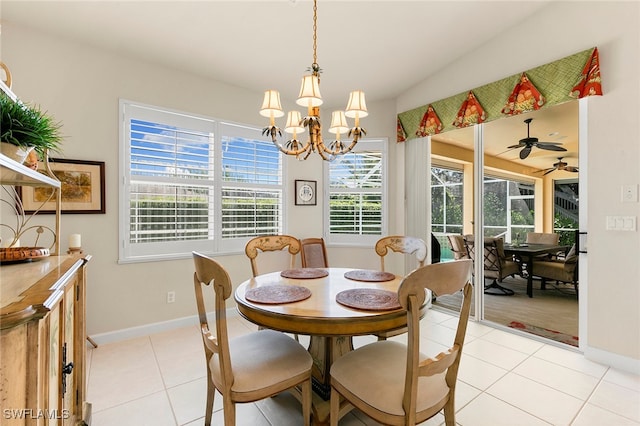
(305, 194)
(83, 188)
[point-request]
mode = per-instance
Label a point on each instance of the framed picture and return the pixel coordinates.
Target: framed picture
(305, 192)
(82, 188)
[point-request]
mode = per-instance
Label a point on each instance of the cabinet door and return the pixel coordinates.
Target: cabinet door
(69, 362)
(53, 408)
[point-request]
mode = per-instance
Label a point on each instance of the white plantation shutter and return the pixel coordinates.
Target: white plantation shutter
(251, 185)
(356, 195)
(194, 183)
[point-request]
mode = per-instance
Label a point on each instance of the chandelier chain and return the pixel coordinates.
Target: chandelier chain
(315, 30)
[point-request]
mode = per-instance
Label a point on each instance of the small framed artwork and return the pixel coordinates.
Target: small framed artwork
(82, 188)
(305, 192)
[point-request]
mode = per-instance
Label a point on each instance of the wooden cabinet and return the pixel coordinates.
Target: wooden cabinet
(43, 342)
(42, 328)
(42, 323)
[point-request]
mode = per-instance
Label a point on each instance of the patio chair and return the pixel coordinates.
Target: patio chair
(456, 242)
(496, 265)
(565, 271)
(543, 238)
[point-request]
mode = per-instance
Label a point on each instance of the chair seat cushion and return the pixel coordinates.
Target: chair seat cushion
(552, 270)
(363, 370)
(262, 358)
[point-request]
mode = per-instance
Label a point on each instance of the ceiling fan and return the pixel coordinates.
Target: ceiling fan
(560, 165)
(529, 142)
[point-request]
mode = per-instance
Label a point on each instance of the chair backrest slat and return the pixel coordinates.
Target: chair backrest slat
(271, 243)
(401, 244)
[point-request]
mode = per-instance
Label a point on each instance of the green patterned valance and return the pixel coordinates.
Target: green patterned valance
(560, 81)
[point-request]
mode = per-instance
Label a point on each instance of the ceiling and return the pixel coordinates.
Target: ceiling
(381, 47)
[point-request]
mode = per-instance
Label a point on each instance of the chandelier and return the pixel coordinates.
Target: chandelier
(310, 97)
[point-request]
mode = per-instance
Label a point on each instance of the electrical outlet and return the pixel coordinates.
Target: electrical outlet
(629, 193)
(171, 296)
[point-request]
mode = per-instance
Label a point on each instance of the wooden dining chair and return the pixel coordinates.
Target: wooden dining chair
(405, 245)
(394, 383)
(271, 243)
(401, 244)
(313, 253)
(250, 367)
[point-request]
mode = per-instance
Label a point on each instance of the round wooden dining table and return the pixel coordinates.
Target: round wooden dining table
(329, 323)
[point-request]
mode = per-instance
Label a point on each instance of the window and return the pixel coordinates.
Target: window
(565, 210)
(447, 201)
(356, 196)
(508, 208)
(194, 183)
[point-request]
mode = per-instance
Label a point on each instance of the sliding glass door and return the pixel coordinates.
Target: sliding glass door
(483, 184)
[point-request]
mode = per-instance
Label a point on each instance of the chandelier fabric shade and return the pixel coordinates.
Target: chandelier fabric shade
(356, 107)
(271, 106)
(338, 123)
(293, 123)
(310, 97)
(309, 92)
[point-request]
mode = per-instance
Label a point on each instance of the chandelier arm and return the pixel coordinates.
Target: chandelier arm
(308, 153)
(293, 151)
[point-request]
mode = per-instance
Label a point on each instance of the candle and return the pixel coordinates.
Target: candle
(74, 241)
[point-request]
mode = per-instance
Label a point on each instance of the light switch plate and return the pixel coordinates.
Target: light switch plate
(620, 223)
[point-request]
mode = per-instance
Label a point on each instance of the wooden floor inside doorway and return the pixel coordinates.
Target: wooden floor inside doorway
(555, 308)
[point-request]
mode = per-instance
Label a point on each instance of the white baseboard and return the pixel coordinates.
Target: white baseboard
(147, 329)
(619, 362)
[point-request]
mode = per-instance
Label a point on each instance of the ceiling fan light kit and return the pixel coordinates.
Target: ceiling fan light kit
(560, 165)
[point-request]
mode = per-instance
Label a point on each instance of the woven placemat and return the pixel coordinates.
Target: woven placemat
(370, 299)
(22, 254)
(369, 275)
(304, 273)
(277, 294)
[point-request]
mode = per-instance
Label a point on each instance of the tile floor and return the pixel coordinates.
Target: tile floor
(504, 379)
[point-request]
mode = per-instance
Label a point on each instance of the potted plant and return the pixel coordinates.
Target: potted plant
(26, 128)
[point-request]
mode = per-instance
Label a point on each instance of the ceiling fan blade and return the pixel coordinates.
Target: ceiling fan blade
(571, 169)
(525, 152)
(516, 146)
(504, 152)
(550, 147)
(549, 171)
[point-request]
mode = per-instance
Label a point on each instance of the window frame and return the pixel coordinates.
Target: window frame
(216, 245)
(358, 240)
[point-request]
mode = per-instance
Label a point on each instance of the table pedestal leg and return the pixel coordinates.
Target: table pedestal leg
(324, 350)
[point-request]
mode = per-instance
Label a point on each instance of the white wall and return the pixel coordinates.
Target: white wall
(81, 87)
(613, 148)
